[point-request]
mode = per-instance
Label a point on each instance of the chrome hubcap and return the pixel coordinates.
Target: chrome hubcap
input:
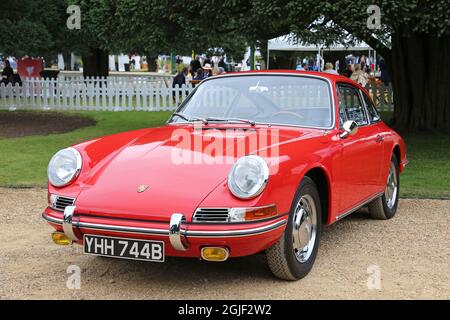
(304, 228)
(391, 187)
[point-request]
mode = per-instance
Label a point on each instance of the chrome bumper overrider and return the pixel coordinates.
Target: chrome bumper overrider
(176, 231)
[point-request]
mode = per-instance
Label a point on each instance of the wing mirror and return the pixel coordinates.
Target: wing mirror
(350, 128)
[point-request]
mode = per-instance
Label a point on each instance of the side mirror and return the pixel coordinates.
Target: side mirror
(350, 128)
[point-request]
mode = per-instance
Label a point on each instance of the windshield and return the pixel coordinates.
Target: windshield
(271, 99)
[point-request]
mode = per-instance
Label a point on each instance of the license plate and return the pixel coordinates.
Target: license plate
(124, 248)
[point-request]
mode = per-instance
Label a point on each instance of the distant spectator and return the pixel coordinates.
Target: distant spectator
(199, 75)
(222, 64)
(189, 76)
(302, 67)
(329, 68)
(349, 71)
(196, 64)
(180, 78)
(385, 77)
(360, 76)
(207, 71)
(220, 70)
(209, 61)
(7, 73)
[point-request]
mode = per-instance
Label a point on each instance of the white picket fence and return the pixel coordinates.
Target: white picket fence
(100, 94)
(134, 93)
(382, 95)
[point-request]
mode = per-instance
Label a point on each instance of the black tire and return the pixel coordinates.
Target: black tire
(281, 258)
(379, 208)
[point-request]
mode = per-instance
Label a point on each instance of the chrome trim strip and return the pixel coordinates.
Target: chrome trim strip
(187, 233)
(67, 223)
(175, 232)
(52, 219)
(358, 206)
(236, 233)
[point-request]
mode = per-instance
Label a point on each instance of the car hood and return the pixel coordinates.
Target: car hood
(178, 166)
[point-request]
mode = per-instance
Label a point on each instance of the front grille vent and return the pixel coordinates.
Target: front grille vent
(211, 215)
(62, 202)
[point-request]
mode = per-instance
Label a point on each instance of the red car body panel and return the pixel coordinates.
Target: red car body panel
(355, 170)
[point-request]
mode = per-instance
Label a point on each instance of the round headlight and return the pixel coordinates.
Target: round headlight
(248, 177)
(64, 167)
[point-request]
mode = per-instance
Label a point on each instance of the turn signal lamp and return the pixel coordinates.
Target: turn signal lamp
(217, 254)
(61, 239)
(252, 214)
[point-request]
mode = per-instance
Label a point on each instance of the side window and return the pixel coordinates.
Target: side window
(372, 110)
(350, 105)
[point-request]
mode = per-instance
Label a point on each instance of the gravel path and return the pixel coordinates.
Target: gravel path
(411, 252)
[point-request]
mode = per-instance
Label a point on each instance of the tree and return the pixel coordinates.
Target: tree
(414, 39)
(33, 27)
(413, 36)
(153, 27)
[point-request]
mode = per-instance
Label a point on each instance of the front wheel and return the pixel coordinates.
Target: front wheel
(385, 206)
(293, 256)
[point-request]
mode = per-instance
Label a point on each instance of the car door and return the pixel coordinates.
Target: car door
(361, 154)
(375, 121)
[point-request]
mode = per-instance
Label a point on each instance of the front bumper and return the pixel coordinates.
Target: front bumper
(181, 239)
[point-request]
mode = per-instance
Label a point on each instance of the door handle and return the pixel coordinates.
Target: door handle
(379, 138)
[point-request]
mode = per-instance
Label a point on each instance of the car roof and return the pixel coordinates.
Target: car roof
(333, 77)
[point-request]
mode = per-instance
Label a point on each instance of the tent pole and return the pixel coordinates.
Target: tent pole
(268, 55)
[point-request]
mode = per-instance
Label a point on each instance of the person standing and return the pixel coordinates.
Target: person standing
(179, 80)
(7, 73)
(222, 64)
(199, 76)
(385, 77)
(349, 71)
(329, 68)
(209, 61)
(220, 70)
(195, 64)
(207, 71)
(359, 76)
(302, 67)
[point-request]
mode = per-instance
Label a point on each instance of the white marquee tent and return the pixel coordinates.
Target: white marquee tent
(287, 43)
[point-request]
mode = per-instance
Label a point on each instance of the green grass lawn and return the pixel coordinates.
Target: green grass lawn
(428, 171)
(23, 161)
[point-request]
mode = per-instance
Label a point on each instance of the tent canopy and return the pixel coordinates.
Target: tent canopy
(287, 43)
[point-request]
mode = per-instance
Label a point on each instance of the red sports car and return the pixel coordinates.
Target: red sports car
(250, 162)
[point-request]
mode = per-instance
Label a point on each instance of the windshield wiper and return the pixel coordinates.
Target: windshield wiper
(182, 116)
(251, 122)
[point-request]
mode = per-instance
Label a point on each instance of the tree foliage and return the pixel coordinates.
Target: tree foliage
(413, 37)
(33, 27)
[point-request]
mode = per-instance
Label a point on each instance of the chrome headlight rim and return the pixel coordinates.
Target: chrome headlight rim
(77, 169)
(265, 178)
